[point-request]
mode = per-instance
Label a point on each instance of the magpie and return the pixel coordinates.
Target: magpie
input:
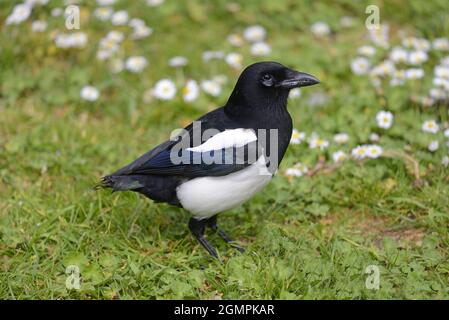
(225, 157)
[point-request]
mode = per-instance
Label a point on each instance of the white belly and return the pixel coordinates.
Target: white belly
(207, 196)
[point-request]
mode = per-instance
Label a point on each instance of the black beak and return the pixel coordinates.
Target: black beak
(295, 79)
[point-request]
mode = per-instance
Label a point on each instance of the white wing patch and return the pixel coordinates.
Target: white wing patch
(227, 139)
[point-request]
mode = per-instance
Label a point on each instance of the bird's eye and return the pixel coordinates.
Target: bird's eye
(267, 80)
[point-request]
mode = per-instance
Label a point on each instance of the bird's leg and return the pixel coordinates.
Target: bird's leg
(197, 227)
(212, 223)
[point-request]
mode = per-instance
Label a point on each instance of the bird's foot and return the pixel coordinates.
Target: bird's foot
(197, 227)
(212, 223)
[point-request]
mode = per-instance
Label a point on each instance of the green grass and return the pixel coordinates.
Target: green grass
(306, 238)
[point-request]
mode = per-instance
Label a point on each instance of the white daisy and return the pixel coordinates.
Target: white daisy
(400, 74)
(385, 68)
(374, 137)
(108, 44)
(36, 2)
(441, 72)
(136, 22)
(115, 36)
(347, 21)
(433, 146)
(302, 167)
(360, 66)
(438, 82)
(339, 156)
(140, 32)
(255, 33)
(298, 170)
(317, 98)
(234, 60)
(56, 12)
(421, 44)
(39, 26)
(89, 93)
(211, 87)
(104, 54)
(430, 126)
(178, 61)
(120, 18)
(79, 39)
(367, 51)
(294, 93)
(235, 40)
(445, 61)
(414, 73)
(398, 55)
(209, 55)
(320, 29)
(297, 137)
(136, 64)
(191, 91)
(154, 3)
(164, 89)
(105, 2)
(384, 119)
(373, 151)
(221, 79)
(445, 161)
(71, 40)
(260, 49)
(341, 138)
(20, 13)
(359, 152)
(441, 44)
(398, 78)
(317, 142)
(437, 94)
(103, 13)
(293, 172)
(408, 42)
(380, 35)
(417, 57)
(445, 85)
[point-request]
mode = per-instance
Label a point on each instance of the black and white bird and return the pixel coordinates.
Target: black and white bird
(225, 157)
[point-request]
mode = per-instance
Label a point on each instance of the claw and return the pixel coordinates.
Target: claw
(212, 223)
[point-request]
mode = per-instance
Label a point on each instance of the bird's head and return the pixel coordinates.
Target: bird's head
(266, 85)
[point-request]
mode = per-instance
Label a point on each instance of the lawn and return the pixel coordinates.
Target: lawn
(319, 226)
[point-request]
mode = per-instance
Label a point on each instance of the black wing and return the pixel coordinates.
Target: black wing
(160, 160)
(191, 164)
